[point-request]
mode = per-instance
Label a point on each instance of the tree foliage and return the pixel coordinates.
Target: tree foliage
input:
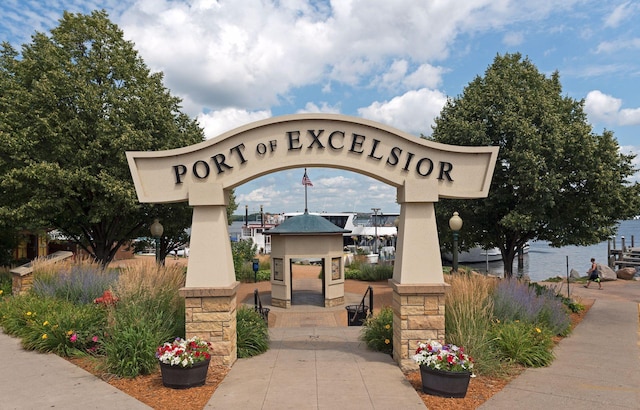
(555, 180)
(71, 104)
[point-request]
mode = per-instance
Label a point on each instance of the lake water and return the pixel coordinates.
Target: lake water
(543, 261)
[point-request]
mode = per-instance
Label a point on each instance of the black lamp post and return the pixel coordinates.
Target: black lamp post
(455, 223)
(157, 229)
(375, 228)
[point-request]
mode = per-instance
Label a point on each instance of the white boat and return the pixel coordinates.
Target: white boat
(376, 234)
(478, 254)
(257, 231)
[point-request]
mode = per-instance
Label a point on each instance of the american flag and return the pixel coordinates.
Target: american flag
(305, 179)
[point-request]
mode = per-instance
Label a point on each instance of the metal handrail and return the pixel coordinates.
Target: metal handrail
(361, 305)
(264, 312)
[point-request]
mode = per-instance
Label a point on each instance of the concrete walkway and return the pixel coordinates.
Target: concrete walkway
(323, 367)
(32, 380)
(316, 368)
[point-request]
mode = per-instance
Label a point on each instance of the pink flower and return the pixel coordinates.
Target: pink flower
(95, 339)
(73, 337)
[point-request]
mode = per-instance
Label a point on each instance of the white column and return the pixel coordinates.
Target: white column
(417, 258)
(210, 261)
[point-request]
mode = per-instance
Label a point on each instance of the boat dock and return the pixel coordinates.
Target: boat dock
(625, 256)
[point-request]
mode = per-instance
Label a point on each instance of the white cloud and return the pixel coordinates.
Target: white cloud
(426, 76)
(218, 122)
(324, 107)
(264, 195)
(411, 112)
(618, 45)
(622, 12)
(513, 38)
(601, 107)
(253, 54)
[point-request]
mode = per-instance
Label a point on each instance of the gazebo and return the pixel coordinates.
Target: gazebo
(307, 236)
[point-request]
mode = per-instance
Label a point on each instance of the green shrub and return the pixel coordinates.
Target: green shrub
(377, 331)
(369, 272)
(572, 305)
(252, 332)
(352, 273)
(54, 325)
(247, 275)
(264, 275)
(5, 282)
(523, 343)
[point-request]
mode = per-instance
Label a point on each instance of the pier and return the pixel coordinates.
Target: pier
(623, 257)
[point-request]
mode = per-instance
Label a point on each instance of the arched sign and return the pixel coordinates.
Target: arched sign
(422, 172)
(307, 140)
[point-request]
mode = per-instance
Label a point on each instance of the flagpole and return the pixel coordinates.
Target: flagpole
(305, 194)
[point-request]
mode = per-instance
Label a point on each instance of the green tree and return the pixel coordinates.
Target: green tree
(71, 104)
(231, 208)
(242, 251)
(555, 180)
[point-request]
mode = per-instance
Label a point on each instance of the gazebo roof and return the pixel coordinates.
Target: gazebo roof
(306, 224)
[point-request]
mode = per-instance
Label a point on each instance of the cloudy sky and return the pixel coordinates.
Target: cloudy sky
(396, 62)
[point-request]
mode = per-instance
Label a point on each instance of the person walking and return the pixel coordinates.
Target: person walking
(594, 276)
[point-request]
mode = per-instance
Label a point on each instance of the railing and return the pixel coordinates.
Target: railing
(356, 314)
(264, 312)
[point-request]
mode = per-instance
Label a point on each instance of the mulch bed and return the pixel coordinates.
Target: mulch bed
(149, 389)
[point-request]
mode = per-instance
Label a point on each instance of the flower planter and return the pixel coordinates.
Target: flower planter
(178, 377)
(444, 383)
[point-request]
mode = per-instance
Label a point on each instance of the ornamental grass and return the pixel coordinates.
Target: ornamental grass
(468, 319)
(80, 282)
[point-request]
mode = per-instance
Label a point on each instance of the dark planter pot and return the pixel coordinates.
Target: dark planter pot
(178, 377)
(444, 383)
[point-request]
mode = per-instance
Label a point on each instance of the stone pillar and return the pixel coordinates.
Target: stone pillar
(211, 287)
(210, 313)
(418, 316)
(418, 283)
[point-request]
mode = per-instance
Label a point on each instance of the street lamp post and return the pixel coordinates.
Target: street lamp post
(157, 229)
(455, 223)
(375, 228)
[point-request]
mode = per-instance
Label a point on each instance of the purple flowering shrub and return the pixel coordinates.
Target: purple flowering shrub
(517, 301)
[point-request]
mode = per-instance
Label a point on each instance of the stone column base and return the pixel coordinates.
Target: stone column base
(418, 316)
(334, 302)
(210, 313)
(281, 303)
